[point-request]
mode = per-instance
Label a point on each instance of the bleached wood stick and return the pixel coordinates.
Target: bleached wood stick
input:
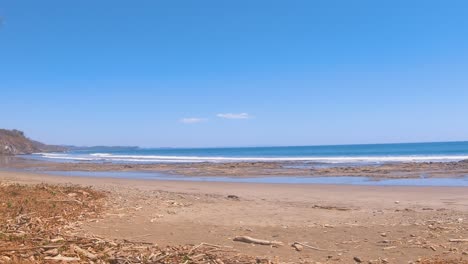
(83, 252)
(316, 248)
(459, 240)
(31, 248)
(247, 239)
(208, 245)
(62, 258)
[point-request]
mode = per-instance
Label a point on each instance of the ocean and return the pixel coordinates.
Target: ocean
(336, 154)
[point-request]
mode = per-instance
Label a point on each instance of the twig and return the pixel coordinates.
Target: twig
(66, 201)
(204, 244)
(142, 236)
(83, 252)
(62, 258)
(316, 248)
(31, 248)
(459, 240)
(137, 242)
(247, 239)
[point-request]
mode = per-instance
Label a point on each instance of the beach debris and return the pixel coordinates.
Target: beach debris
(208, 245)
(330, 207)
(62, 258)
(314, 248)
(233, 197)
(458, 240)
(52, 252)
(357, 259)
(83, 252)
(35, 228)
(297, 247)
(247, 239)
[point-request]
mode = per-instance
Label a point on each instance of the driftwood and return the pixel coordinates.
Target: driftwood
(247, 239)
(31, 248)
(208, 245)
(296, 244)
(83, 252)
(459, 240)
(62, 258)
(47, 232)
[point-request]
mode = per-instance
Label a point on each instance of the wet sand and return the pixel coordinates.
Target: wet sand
(256, 169)
(396, 224)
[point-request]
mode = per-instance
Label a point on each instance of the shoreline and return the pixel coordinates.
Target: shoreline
(259, 179)
(32, 176)
(253, 169)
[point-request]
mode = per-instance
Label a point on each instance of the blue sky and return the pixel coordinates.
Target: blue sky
(234, 73)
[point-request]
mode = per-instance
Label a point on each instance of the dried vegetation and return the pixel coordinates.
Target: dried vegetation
(38, 223)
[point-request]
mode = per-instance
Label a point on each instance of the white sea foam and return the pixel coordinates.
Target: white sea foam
(184, 159)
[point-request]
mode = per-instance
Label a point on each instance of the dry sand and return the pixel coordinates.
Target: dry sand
(396, 224)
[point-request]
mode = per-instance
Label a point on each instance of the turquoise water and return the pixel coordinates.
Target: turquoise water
(350, 154)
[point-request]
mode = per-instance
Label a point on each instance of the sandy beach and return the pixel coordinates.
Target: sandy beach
(342, 224)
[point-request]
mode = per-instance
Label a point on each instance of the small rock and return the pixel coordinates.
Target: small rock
(233, 197)
(357, 259)
(397, 202)
(72, 194)
(297, 247)
(383, 234)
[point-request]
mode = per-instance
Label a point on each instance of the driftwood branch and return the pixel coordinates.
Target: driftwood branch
(459, 240)
(314, 248)
(207, 245)
(83, 252)
(62, 258)
(247, 239)
(31, 248)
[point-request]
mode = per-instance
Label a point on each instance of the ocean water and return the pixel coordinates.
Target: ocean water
(337, 154)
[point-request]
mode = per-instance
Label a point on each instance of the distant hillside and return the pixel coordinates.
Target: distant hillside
(101, 148)
(14, 142)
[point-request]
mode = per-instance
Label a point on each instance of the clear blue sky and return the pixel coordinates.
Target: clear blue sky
(234, 73)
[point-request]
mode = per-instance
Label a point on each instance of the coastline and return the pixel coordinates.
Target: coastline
(398, 224)
(400, 170)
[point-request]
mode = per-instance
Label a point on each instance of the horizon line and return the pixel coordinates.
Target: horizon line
(269, 146)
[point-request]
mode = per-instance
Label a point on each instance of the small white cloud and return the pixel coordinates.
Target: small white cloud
(192, 120)
(234, 116)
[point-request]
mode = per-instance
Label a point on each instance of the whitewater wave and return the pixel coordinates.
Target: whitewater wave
(107, 157)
